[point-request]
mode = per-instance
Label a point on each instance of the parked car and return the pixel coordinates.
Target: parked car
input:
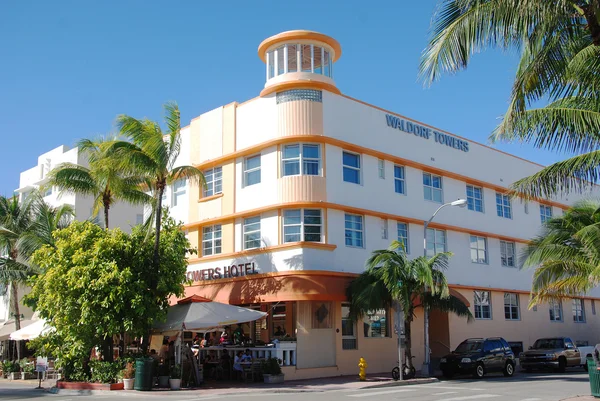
(478, 357)
(556, 353)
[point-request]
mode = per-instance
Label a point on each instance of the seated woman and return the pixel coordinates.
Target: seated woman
(237, 367)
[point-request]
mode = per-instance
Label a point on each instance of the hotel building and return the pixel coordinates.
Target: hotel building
(304, 182)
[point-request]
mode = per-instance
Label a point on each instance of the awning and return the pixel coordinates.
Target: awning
(34, 330)
(201, 314)
(9, 327)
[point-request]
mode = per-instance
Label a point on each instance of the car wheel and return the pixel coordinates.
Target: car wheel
(448, 374)
(509, 369)
(479, 371)
(562, 364)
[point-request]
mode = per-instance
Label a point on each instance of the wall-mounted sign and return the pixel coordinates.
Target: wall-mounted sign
(243, 269)
(425, 132)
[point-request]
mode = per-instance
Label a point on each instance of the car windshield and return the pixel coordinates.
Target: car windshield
(470, 346)
(549, 343)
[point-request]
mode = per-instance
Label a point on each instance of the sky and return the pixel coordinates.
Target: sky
(68, 68)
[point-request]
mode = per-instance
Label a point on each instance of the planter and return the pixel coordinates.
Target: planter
(127, 384)
(163, 381)
(28, 376)
(14, 375)
(175, 384)
(273, 379)
(89, 386)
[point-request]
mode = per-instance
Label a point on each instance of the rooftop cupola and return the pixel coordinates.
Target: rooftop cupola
(299, 59)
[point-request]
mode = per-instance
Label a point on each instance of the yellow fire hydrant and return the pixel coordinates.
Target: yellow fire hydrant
(362, 365)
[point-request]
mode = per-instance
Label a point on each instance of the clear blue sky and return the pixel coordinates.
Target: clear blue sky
(68, 68)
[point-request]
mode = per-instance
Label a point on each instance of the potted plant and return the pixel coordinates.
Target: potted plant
(27, 369)
(163, 375)
(272, 371)
(128, 375)
(11, 370)
(175, 380)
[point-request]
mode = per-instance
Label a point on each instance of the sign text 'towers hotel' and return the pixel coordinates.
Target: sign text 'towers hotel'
(243, 269)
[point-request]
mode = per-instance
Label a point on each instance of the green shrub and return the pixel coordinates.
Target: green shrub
(176, 372)
(105, 372)
(271, 366)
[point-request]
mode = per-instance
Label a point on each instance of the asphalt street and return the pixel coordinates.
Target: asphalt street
(522, 387)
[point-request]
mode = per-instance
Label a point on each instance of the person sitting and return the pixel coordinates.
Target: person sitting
(164, 350)
(279, 332)
(153, 354)
(247, 357)
(237, 367)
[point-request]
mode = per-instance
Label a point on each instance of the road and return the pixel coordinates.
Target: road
(522, 387)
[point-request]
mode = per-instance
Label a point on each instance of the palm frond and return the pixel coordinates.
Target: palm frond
(449, 304)
(73, 178)
(191, 173)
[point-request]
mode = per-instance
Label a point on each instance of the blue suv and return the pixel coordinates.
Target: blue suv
(478, 356)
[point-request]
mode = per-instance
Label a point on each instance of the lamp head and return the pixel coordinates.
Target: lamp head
(459, 202)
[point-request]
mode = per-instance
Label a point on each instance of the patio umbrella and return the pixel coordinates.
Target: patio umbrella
(196, 313)
(34, 330)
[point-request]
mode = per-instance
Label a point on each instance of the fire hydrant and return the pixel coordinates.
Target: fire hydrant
(362, 365)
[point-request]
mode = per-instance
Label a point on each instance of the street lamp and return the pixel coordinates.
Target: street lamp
(426, 361)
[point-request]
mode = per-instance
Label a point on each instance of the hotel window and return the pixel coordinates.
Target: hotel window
(435, 241)
(507, 253)
(48, 191)
(302, 225)
(545, 213)
(270, 64)
(483, 307)
(555, 308)
(348, 328)
(381, 168)
(214, 181)
(432, 187)
(178, 191)
(251, 232)
(351, 164)
(139, 219)
(306, 57)
(578, 311)
(211, 240)
(475, 198)
(252, 170)
(376, 323)
(399, 180)
(402, 229)
(354, 230)
(301, 159)
(292, 57)
(479, 249)
(511, 306)
(384, 229)
(503, 207)
(280, 60)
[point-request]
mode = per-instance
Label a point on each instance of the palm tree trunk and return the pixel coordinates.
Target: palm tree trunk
(106, 216)
(407, 338)
(590, 15)
(155, 258)
(17, 314)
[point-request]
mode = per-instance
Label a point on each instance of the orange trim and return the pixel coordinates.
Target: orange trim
(289, 245)
(299, 35)
(494, 289)
(353, 210)
(298, 84)
(209, 198)
(371, 152)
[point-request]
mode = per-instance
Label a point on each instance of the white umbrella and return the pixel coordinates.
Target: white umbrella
(34, 330)
(196, 313)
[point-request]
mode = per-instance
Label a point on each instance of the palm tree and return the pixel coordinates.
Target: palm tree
(25, 227)
(566, 255)
(103, 180)
(391, 279)
(153, 155)
(559, 43)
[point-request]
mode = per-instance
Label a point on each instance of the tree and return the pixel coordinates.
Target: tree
(392, 279)
(94, 285)
(153, 155)
(559, 43)
(566, 255)
(103, 180)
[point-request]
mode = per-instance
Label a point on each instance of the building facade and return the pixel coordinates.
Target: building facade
(304, 182)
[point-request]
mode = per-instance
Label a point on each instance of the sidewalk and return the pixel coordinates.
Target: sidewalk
(581, 398)
(296, 386)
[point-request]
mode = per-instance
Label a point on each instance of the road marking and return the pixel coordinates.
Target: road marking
(531, 399)
(446, 393)
(402, 390)
(471, 397)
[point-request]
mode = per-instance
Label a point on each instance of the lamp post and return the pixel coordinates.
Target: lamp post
(426, 361)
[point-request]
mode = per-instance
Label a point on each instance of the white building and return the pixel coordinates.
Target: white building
(305, 182)
(121, 214)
